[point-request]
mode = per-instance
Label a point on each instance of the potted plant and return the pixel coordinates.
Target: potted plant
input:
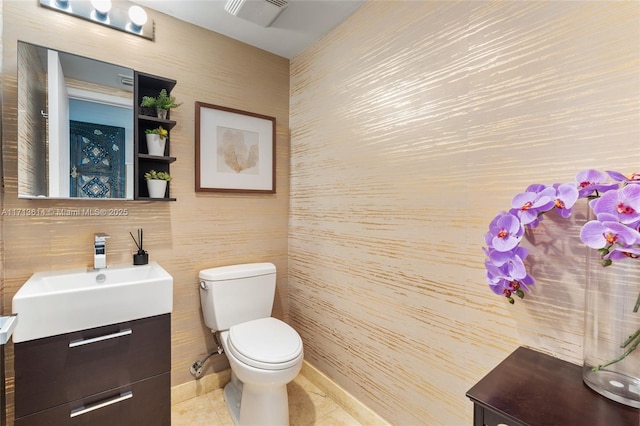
(161, 103)
(148, 105)
(156, 139)
(157, 183)
(164, 103)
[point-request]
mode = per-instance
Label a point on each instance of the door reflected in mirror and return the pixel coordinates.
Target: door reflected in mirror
(75, 126)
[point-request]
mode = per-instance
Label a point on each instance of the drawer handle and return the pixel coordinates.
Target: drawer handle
(84, 410)
(81, 342)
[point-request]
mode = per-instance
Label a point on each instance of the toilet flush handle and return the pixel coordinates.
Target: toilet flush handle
(204, 286)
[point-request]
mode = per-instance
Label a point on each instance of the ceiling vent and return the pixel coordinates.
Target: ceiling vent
(261, 12)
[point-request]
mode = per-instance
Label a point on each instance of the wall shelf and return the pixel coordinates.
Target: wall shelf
(163, 159)
(167, 124)
(150, 85)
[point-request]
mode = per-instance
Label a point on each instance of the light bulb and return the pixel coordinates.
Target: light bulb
(102, 7)
(138, 16)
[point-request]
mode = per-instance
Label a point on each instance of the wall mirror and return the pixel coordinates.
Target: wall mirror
(75, 126)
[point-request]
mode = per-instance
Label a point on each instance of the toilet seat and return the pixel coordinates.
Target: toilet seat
(265, 343)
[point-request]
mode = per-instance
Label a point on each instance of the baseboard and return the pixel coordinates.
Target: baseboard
(194, 388)
(348, 402)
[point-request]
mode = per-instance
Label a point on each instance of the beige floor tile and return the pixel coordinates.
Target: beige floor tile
(308, 406)
(198, 411)
(220, 405)
(307, 403)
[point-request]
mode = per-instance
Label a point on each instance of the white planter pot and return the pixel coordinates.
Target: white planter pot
(157, 188)
(155, 144)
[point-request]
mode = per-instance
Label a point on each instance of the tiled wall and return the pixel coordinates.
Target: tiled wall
(412, 125)
(196, 232)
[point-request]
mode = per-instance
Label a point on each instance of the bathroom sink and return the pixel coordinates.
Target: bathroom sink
(59, 302)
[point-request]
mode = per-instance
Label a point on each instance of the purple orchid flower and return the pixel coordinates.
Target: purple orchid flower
(497, 279)
(598, 235)
(624, 204)
(621, 253)
(501, 282)
(513, 260)
(506, 272)
(634, 225)
(566, 197)
(619, 177)
(505, 232)
(590, 181)
(529, 204)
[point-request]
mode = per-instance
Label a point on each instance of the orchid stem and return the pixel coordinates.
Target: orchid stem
(631, 348)
(631, 338)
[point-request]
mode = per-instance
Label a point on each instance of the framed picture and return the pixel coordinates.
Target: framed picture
(235, 150)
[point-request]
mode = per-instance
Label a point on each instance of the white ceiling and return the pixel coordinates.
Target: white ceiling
(299, 25)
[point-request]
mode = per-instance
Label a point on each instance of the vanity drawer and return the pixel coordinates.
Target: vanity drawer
(147, 402)
(54, 370)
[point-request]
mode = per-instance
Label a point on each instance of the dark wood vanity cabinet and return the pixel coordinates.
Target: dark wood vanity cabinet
(112, 375)
(532, 388)
(150, 85)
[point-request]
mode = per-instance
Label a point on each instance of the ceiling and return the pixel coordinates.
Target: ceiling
(300, 24)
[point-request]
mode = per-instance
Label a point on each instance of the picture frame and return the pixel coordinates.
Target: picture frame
(235, 150)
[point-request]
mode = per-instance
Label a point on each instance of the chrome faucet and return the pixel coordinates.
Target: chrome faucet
(100, 251)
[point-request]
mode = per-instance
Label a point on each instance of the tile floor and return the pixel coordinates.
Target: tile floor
(308, 406)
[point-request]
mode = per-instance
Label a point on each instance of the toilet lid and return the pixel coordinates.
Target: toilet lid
(266, 343)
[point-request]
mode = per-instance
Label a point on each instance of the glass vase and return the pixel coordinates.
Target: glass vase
(612, 329)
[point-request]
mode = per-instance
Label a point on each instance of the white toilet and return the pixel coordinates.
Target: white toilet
(264, 353)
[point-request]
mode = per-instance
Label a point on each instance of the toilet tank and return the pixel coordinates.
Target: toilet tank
(234, 294)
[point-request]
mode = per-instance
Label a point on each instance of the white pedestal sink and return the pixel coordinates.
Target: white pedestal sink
(58, 302)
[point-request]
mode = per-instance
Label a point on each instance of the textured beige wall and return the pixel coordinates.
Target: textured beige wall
(32, 96)
(2, 389)
(412, 125)
(197, 231)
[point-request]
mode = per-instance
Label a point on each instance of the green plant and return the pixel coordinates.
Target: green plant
(164, 101)
(152, 174)
(148, 102)
(157, 131)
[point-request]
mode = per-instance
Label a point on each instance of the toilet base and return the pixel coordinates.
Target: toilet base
(233, 397)
(251, 405)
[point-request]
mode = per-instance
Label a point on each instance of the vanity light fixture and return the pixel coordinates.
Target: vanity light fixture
(119, 15)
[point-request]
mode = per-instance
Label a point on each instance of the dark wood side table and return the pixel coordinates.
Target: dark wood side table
(532, 388)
